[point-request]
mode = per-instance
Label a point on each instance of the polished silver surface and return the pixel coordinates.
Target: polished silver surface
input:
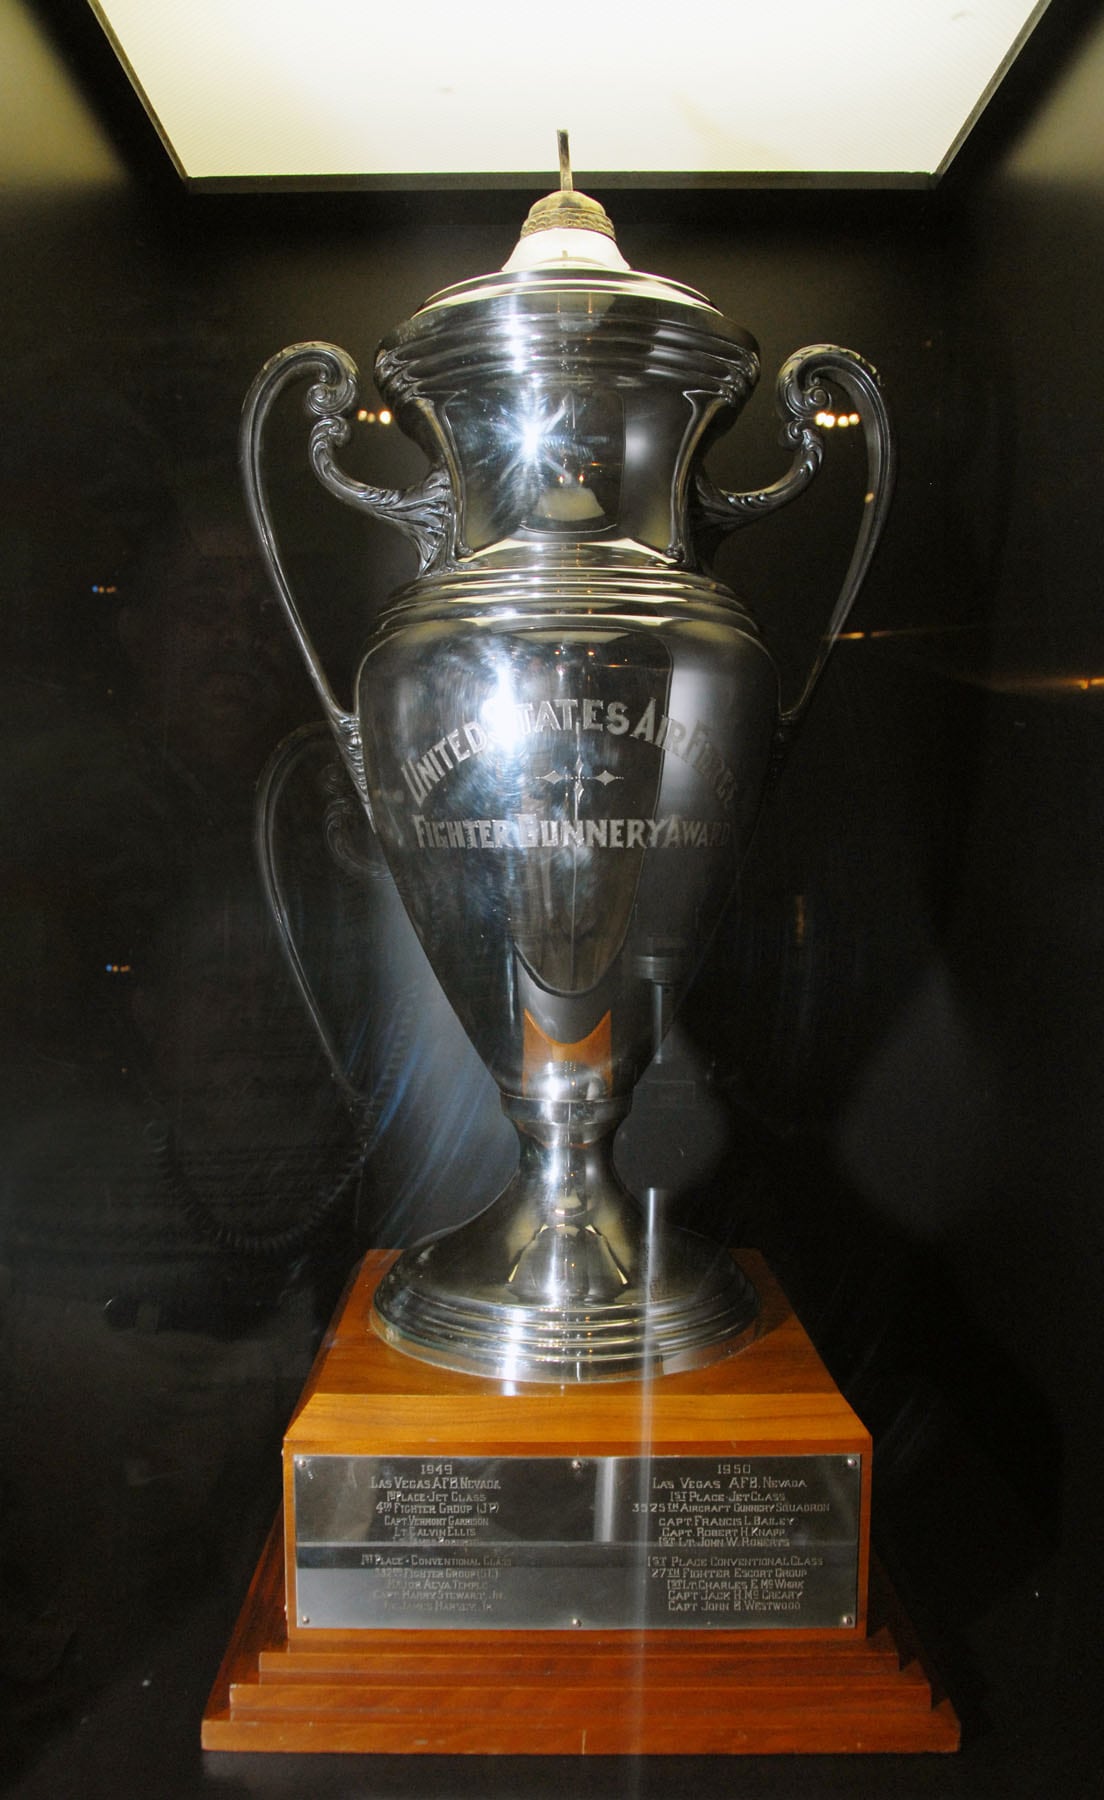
(562, 733)
(740, 1543)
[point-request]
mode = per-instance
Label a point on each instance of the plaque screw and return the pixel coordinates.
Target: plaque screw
(848, 1619)
(576, 1469)
(852, 1462)
(304, 1618)
(576, 1621)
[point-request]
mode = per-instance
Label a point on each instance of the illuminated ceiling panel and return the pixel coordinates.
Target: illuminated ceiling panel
(352, 90)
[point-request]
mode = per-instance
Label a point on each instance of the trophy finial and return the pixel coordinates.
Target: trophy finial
(567, 209)
(567, 184)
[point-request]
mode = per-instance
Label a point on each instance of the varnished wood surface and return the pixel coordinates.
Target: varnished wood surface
(775, 1395)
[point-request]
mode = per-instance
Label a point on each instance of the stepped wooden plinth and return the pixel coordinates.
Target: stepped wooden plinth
(628, 1691)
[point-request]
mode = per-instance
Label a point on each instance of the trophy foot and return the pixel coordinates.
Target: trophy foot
(560, 1280)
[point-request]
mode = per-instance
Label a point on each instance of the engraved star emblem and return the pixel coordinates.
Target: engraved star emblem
(577, 778)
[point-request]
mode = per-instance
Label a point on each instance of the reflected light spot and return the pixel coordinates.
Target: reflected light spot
(500, 716)
(800, 919)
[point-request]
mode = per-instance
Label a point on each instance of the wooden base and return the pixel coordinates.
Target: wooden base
(551, 1693)
(554, 1692)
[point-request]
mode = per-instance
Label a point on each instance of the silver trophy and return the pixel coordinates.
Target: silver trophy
(562, 733)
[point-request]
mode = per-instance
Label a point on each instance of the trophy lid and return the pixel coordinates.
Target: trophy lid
(568, 241)
(565, 306)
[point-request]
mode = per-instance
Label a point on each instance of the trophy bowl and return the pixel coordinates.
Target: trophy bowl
(562, 733)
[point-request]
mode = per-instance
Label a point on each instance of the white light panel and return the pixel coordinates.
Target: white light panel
(244, 89)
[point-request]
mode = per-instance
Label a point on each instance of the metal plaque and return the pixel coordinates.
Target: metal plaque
(556, 1542)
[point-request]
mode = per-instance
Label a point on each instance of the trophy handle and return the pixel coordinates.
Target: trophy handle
(423, 512)
(801, 395)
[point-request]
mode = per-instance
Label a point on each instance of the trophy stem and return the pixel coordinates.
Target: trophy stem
(561, 1279)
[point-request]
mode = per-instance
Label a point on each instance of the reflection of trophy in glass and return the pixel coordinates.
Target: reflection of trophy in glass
(562, 734)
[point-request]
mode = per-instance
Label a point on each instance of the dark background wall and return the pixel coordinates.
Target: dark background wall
(888, 1078)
